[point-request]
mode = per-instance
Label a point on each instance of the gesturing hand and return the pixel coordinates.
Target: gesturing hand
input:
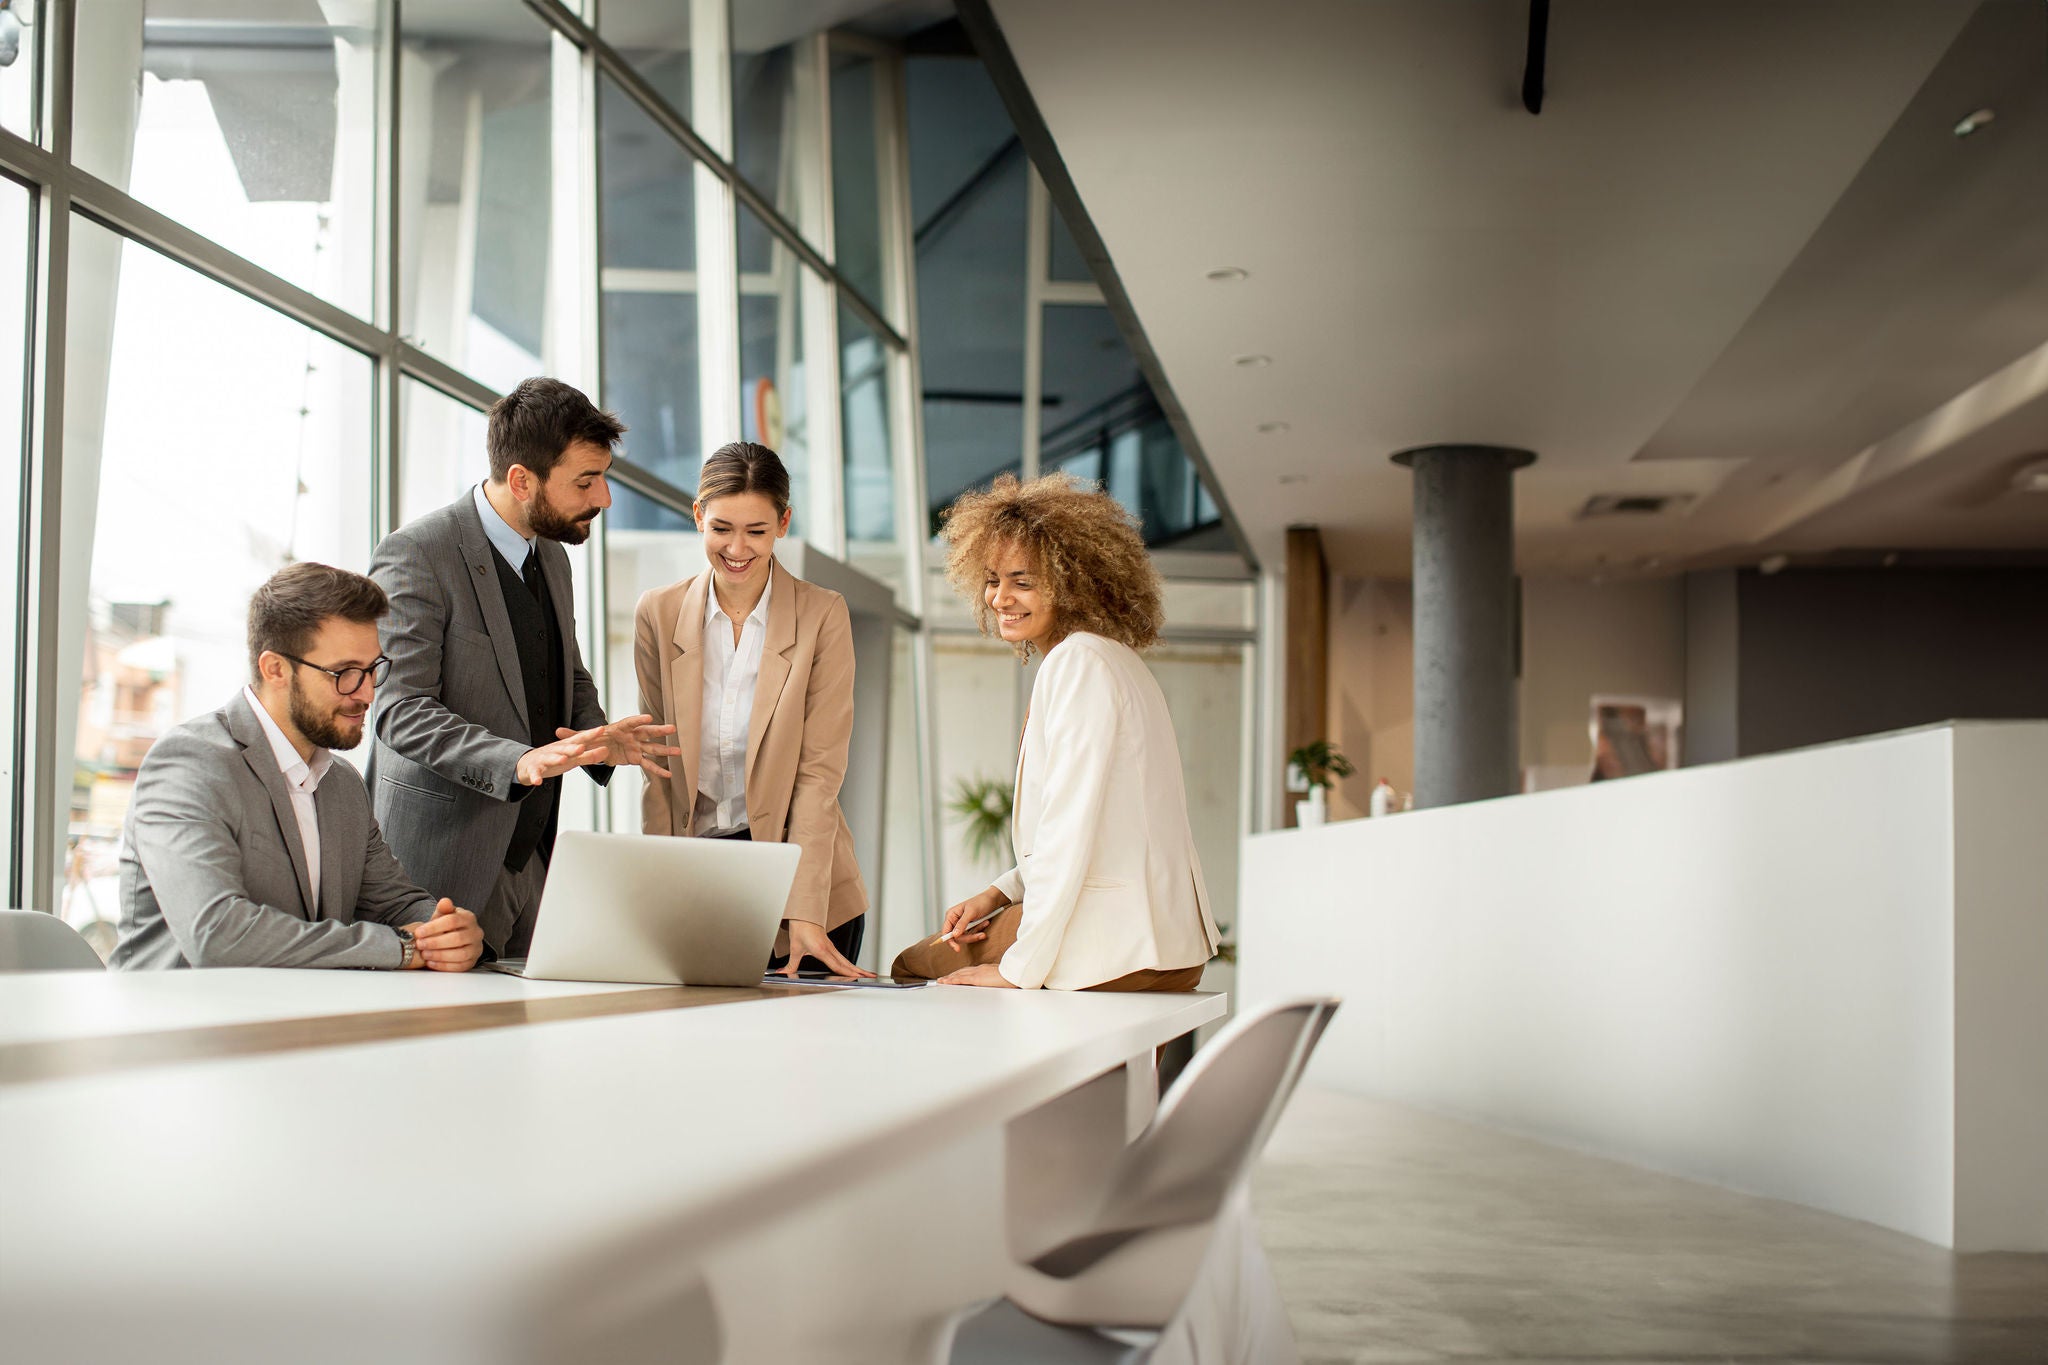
(449, 942)
(572, 749)
(634, 740)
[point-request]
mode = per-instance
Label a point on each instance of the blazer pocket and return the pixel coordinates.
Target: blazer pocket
(422, 791)
(474, 637)
(1103, 883)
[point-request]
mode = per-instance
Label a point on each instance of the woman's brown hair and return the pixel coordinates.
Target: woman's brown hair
(744, 467)
(1091, 559)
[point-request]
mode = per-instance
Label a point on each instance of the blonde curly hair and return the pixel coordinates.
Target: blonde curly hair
(1092, 562)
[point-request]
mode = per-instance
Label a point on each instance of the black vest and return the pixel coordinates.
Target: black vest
(540, 669)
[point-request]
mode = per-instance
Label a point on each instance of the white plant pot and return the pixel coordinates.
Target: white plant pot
(1313, 809)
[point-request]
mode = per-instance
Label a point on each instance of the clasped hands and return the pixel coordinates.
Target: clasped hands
(449, 942)
(632, 741)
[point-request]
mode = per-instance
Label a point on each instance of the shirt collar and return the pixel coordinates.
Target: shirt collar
(297, 772)
(714, 612)
(509, 542)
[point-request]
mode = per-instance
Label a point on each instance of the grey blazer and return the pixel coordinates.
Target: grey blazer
(213, 873)
(451, 719)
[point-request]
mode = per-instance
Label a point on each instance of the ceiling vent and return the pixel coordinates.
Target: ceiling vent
(1633, 504)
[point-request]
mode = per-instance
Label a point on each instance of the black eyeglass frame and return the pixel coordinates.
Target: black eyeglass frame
(380, 666)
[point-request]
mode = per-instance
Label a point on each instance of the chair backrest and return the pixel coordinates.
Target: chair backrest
(31, 941)
(1214, 1122)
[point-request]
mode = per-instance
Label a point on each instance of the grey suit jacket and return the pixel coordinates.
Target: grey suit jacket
(213, 873)
(451, 720)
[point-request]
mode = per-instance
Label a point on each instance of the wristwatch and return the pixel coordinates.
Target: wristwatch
(406, 944)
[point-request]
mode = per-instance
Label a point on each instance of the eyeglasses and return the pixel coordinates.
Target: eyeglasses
(347, 680)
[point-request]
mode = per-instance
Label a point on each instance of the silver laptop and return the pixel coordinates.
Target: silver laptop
(658, 910)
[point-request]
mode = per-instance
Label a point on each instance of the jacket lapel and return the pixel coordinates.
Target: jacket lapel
(248, 733)
(490, 597)
(775, 663)
(686, 691)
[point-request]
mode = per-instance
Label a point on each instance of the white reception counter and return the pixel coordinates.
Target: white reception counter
(1820, 976)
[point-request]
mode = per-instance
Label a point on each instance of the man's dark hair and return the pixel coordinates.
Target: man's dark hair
(287, 611)
(536, 423)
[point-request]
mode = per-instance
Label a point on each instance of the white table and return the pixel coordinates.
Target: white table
(831, 1165)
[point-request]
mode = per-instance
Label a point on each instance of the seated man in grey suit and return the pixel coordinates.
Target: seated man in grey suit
(247, 845)
(489, 703)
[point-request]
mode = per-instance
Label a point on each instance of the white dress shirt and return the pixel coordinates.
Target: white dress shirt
(730, 673)
(301, 779)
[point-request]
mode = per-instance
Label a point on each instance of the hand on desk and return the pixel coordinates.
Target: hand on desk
(450, 941)
(987, 974)
(810, 940)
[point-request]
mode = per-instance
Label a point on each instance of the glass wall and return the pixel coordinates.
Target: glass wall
(343, 242)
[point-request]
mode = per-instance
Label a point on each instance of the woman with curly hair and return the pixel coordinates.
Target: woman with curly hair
(1107, 893)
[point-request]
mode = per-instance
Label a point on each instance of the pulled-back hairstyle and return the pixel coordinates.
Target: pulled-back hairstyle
(744, 467)
(287, 611)
(1092, 563)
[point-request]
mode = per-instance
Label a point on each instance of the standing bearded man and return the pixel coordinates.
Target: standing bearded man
(488, 702)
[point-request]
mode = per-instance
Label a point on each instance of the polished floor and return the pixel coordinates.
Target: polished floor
(1398, 1236)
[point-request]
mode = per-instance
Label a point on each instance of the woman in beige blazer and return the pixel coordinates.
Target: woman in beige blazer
(754, 668)
(1107, 892)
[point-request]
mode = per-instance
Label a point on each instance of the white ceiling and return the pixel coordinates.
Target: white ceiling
(1738, 253)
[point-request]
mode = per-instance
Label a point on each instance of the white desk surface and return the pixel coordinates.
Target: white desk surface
(38, 1007)
(260, 1208)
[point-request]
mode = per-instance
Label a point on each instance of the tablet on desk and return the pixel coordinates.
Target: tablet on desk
(885, 983)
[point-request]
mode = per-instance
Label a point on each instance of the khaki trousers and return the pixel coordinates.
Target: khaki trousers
(930, 959)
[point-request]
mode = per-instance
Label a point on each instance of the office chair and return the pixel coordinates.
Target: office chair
(1132, 1263)
(31, 941)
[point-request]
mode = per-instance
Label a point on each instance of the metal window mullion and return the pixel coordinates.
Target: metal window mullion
(387, 423)
(906, 380)
(34, 835)
(650, 485)
(1037, 243)
(436, 373)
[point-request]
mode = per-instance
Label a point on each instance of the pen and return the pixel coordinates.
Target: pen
(966, 927)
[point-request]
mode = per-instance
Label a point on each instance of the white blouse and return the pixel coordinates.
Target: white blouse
(730, 673)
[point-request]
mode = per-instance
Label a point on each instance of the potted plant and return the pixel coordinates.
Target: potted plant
(1312, 768)
(982, 807)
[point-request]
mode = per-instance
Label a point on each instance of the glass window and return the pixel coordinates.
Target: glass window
(1067, 265)
(865, 431)
(654, 36)
(20, 62)
(775, 135)
(14, 340)
(646, 545)
(968, 195)
(258, 130)
(857, 120)
(218, 442)
(779, 306)
(444, 454)
(647, 195)
(477, 157)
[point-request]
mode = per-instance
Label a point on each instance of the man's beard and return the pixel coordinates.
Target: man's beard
(322, 729)
(552, 524)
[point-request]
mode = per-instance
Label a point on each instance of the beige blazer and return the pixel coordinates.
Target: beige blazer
(1106, 864)
(796, 738)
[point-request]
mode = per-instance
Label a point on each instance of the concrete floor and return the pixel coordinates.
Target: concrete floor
(1399, 1236)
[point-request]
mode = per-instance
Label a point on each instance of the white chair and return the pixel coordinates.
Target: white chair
(1132, 1263)
(31, 941)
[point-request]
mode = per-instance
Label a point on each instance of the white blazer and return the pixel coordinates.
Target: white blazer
(1106, 866)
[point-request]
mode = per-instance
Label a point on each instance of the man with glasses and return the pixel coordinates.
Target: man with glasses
(247, 845)
(489, 704)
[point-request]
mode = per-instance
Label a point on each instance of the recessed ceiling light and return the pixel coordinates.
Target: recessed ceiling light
(1271, 428)
(1252, 362)
(1228, 274)
(1294, 478)
(2031, 478)
(1975, 121)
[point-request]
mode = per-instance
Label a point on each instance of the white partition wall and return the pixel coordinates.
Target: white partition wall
(1821, 976)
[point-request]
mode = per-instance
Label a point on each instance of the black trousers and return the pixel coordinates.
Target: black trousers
(846, 938)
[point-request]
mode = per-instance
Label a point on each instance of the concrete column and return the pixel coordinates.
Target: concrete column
(1464, 621)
